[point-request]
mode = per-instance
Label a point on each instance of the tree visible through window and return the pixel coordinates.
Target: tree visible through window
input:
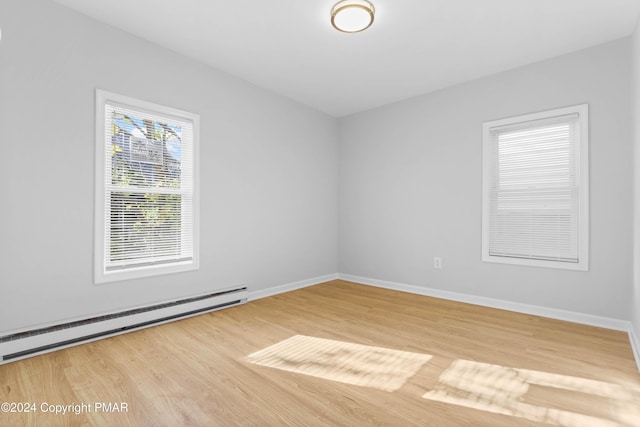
(148, 189)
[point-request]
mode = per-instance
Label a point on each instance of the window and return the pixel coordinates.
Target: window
(535, 189)
(146, 189)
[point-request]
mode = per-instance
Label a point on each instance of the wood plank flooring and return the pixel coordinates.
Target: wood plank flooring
(487, 368)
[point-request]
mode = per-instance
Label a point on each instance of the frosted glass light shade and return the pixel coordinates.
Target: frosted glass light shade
(352, 16)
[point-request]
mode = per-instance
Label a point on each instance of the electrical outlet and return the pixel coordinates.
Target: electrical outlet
(437, 262)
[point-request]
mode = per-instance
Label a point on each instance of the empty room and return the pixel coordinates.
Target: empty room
(320, 213)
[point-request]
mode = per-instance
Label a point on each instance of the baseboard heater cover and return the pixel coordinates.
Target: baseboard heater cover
(19, 345)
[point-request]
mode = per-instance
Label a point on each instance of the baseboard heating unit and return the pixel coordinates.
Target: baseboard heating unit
(25, 343)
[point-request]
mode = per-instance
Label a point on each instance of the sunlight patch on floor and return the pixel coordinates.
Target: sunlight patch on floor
(349, 363)
(502, 390)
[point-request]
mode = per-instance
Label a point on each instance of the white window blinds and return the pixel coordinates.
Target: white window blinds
(535, 189)
(148, 210)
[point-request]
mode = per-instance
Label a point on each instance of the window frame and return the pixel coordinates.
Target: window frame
(101, 274)
(582, 180)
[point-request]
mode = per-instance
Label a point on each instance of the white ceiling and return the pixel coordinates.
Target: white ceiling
(413, 47)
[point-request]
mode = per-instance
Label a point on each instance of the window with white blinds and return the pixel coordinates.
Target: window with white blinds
(146, 198)
(535, 189)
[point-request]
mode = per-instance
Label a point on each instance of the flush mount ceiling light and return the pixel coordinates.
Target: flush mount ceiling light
(352, 16)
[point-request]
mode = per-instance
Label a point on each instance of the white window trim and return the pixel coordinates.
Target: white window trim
(582, 151)
(100, 273)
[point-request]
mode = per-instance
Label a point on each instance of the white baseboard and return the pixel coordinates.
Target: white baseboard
(275, 290)
(570, 316)
(634, 338)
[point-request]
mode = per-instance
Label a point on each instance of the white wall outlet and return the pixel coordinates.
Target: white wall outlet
(437, 262)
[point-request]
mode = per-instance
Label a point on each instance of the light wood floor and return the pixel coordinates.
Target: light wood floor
(197, 372)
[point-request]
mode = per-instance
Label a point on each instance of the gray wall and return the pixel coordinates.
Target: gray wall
(268, 169)
(410, 185)
(409, 176)
(635, 114)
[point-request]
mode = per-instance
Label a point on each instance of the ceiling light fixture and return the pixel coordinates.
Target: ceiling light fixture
(352, 16)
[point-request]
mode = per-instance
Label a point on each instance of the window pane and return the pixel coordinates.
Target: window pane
(146, 189)
(145, 152)
(144, 225)
(534, 192)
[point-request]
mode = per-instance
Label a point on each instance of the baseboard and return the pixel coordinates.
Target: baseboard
(634, 338)
(39, 340)
(570, 316)
(275, 290)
